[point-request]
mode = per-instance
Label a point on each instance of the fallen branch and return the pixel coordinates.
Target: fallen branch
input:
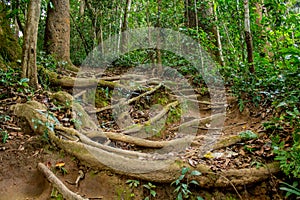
(67, 194)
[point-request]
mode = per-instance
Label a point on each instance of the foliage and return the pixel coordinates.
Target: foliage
(133, 183)
(287, 120)
(55, 195)
(248, 135)
(276, 40)
(183, 182)
(50, 126)
(150, 187)
(4, 135)
(289, 158)
(291, 190)
(47, 61)
(8, 76)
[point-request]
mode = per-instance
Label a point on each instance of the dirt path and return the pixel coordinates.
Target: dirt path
(19, 156)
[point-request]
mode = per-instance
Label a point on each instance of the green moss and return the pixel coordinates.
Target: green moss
(102, 97)
(174, 115)
(124, 193)
(10, 50)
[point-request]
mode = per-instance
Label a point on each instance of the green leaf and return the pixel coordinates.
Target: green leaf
(24, 80)
(174, 182)
(146, 186)
(281, 104)
(4, 136)
(51, 5)
(291, 114)
(181, 177)
(293, 191)
(151, 185)
(184, 186)
(179, 196)
(195, 173)
(153, 193)
(247, 135)
(194, 182)
(184, 170)
(177, 189)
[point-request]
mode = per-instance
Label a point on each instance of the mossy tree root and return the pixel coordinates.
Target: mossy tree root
(134, 164)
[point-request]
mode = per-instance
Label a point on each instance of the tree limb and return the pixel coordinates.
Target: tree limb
(68, 194)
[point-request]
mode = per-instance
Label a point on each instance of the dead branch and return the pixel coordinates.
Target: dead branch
(68, 194)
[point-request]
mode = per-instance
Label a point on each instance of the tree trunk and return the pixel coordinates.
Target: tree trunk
(81, 8)
(57, 32)
(126, 14)
(158, 45)
(29, 68)
(206, 22)
(190, 14)
(125, 24)
(248, 37)
(216, 33)
(10, 50)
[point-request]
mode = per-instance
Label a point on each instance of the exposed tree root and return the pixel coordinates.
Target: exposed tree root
(152, 167)
(67, 194)
(200, 121)
(152, 120)
(123, 77)
(128, 101)
(69, 82)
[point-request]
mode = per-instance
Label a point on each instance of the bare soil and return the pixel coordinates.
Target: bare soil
(20, 154)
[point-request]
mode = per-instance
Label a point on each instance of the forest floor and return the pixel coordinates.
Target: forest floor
(20, 154)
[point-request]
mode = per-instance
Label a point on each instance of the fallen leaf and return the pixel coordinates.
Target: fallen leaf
(60, 164)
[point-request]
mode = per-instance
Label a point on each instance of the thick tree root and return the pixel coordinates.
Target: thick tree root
(200, 121)
(155, 167)
(69, 82)
(129, 101)
(67, 194)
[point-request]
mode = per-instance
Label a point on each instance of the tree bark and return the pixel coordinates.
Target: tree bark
(10, 50)
(248, 37)
(125, 24)
(158, 45)
(190, 14)
(81, 8)
(216, 33)
(57, 32)
(206, 22)
(29, 68)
